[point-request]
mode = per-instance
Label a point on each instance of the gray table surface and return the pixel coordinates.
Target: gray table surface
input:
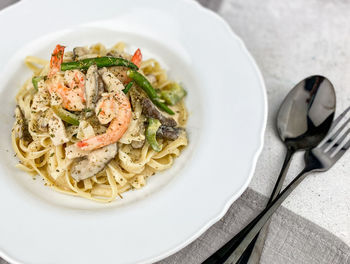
(289, 41)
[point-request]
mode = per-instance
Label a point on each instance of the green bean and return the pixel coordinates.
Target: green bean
(65, 115)
(99, 61)
(141, 81)
(127, 87)
(36, 80)
(151, 134)
(173, 94)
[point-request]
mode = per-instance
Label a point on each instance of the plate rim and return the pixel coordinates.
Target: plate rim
(258, 151)
(253, 162)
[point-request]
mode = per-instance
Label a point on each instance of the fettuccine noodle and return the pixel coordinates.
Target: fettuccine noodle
(130, 167)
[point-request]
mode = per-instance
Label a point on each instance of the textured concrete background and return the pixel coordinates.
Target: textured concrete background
(291, 40)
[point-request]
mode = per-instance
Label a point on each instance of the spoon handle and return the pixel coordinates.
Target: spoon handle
(220, 253)
(253, 252)
(236, 250)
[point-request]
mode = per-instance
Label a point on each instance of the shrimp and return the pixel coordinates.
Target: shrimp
(107, 108)
(72, 95)
(117, 126)
(137, 58)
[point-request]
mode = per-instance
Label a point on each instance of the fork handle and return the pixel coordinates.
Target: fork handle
(235, 247)
(240, 236)
(253, 252)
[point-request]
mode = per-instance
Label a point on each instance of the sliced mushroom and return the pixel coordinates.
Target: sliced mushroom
(150, 110)
(170, 133)
(21, 126)
(93, 163)
(101, 87)
(91, 88)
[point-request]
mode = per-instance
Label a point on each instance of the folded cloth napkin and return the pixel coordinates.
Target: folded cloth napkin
(291, 239)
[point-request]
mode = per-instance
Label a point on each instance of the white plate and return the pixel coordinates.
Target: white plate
(227, 105)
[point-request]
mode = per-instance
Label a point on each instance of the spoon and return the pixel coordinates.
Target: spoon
(297, 134)
(303, 121)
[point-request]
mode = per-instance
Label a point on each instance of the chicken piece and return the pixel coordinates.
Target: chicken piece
(79, 52)
(137, 144)
(68, 56)
(73, 152)
(91, 88)
(39, 121)
(118, 53)
(57, 131)
(120, 73)
(136, 130)
(151, 78)
(102, 70)
(93, 163)
(41, 99)
(112, 82)
(114, 53)
(85, 130)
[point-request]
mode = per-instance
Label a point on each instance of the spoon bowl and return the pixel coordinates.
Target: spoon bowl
(307, 113)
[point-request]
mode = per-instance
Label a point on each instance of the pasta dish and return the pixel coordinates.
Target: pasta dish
(97, 122)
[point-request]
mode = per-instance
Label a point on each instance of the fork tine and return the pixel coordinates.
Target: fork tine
(329, 143)
(342, 151)
(335, 122)
(347, 145)
(335, 148)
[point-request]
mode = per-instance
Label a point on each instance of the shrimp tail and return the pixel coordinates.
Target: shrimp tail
(137, 58)
(56, 59)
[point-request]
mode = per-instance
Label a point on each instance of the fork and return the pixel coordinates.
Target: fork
(318, 159)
